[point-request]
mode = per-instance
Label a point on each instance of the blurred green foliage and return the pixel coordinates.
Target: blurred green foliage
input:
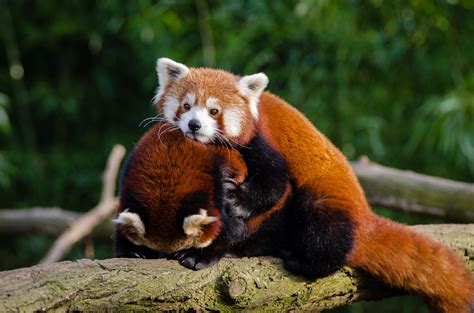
(393, 80)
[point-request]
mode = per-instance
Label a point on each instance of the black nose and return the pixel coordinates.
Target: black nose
(194, 125)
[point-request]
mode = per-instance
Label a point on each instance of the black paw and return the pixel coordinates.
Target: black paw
(235, 199)
(230, 184)
(195, 259)
(294, 265)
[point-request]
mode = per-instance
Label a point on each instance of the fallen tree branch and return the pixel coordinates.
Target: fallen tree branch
(46, 221)
(416, 193)
(232, 284)
(86, 223)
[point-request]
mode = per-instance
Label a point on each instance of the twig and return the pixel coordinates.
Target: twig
(106, 206)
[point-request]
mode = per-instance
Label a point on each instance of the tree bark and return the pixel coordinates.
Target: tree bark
(233, 284)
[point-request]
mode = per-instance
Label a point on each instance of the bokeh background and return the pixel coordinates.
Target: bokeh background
(393, 80)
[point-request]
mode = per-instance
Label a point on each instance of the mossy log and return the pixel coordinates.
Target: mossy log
(250, 283)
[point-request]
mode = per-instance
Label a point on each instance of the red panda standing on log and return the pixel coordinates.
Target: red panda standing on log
(328, 209)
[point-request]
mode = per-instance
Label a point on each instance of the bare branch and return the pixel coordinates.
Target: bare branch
(46, 221)
(84, 226)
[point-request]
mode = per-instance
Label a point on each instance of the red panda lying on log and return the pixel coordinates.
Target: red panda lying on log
(329, 222)
(172, 199)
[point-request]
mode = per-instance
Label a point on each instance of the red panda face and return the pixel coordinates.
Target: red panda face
(209, 105)
(167, 198)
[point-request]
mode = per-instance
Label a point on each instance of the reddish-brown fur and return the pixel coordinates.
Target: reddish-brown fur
(402, 257)
(384, 248)
(255, 222)
(166, 166)
(216, 84)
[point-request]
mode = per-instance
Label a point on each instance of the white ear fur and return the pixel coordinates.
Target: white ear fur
(134, 223)
(252, 86)
(192, 224)
(168, 71)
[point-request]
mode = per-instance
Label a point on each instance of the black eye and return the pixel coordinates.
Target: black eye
(214, 111)
(187, 106)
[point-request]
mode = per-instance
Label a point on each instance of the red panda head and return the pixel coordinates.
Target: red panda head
(209, 105)
(167, 197)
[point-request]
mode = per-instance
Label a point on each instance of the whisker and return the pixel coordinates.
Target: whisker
(167, 129)
(230, 141)
(149, 120)
(145, 120)
(226, 145)
(161, 130)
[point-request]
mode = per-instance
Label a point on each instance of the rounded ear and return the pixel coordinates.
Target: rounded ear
(252, 86)
(168, 71)
(131, 226)
(192, 224)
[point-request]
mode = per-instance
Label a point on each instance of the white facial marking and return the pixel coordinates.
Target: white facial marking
(208, 124)
(252, 86)
(190, 98)
(192, 224)
(170, 107)
(232, 122)
(212, 103)
(168, 71)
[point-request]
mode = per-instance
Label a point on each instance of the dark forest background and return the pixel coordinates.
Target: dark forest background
(393, 80)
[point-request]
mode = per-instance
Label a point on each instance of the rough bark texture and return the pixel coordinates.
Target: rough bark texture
(251, 284)
(416, 193)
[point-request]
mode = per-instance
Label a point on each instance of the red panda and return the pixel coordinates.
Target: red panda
(328, 208)
(167, 194)
(171, 199)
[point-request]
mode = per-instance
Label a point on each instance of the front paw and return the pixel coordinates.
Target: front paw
(235, 200)
(195, 259)
(234, 193)
(230, 184)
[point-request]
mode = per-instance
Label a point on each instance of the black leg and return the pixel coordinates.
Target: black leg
(321, 237)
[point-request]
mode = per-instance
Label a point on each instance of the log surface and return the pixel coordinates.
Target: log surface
(248, 283)
(416, 193)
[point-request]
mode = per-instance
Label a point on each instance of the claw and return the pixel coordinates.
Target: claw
(188, 262)
(229, 184)
(195, 259)
(179, 255)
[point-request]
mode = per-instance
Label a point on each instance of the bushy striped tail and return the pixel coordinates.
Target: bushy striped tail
(406, 259)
